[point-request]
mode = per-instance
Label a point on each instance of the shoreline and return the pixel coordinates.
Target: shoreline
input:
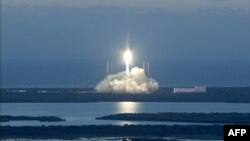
(213, 118)
(8, 118)
(86, 95)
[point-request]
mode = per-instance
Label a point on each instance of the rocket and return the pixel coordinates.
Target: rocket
(127, 40)
(127, 55)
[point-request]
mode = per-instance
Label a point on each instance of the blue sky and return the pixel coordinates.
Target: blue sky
(76, 37)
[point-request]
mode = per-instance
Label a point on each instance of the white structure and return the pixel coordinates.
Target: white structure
(145, 66)
(148, 68)
(196, 89)
(109, 67)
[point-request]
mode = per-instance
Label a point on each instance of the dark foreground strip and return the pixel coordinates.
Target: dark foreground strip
(74, 132)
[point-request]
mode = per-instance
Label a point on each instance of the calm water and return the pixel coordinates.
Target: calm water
(85, 113)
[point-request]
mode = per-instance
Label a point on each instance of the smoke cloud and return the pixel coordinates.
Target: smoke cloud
(134, 82)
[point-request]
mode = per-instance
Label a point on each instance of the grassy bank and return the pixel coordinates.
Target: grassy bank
(6, 118)
(229, 118)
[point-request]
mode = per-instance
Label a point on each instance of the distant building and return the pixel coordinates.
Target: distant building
(196, 89)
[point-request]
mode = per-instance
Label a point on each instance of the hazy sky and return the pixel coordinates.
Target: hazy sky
(175, 5)
(93, 31)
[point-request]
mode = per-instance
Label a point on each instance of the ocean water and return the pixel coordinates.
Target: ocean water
(85, 113)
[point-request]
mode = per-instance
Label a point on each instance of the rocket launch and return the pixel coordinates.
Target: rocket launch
(128, 81)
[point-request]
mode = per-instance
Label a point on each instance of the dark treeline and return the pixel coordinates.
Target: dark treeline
(234, 95)
(148, 139)
(74, 132)
(234, 118)
(6, 118)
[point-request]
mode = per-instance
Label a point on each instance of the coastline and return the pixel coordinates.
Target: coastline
(87, 95)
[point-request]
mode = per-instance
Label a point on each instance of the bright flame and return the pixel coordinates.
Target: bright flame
(127, 56)
(127, 59)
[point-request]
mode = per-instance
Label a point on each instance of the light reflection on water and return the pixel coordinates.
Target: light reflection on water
(128, 107)
(85, 113)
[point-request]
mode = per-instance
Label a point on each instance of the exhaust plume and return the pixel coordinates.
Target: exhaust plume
(134, 82)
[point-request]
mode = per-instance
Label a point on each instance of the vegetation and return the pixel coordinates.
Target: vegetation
(74, 132)
(234, 118)
(5, 118)
(148, 139)
(71, 95)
